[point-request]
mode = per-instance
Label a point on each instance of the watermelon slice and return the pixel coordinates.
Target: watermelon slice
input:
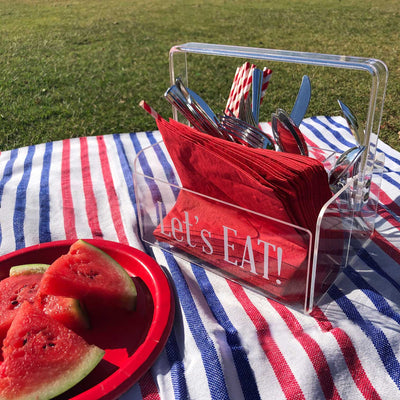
(92, 276)
(23, 285)
(43, 358)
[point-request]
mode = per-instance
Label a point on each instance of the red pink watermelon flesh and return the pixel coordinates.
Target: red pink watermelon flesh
(23, 285)
(13, 292)
(43, 358)
(92, 276)
(66, 310)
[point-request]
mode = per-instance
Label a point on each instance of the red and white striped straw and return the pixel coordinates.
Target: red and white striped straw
(244, 87)
(248, 82)
(237, 82)
(233, 88)
(235, 98)
(150, 110)
(265, 81)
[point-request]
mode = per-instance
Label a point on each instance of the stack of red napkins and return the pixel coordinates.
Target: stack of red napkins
(272, 253)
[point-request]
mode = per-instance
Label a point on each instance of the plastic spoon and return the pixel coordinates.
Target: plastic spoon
(345, 166)
(351, 121)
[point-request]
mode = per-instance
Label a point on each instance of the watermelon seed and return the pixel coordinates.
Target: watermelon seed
(88, 274)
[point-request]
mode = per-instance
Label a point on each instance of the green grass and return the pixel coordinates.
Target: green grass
(73, 68)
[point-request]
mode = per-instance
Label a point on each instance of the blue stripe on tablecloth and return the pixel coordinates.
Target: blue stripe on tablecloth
(244, 370)
(209, 355)
(317, 134)
(5, 178)
(8, 169)
(392, 158)
(44, 196)
(168, 169)
(389, 211)
(20, 201)
(320, 135)
(147, 171)
(376, 298)
(388, 178)
(175, 359)
(177, 369)
(371, 262)
(377, 337)
(337, 124)
(333, 121)
(126, 170)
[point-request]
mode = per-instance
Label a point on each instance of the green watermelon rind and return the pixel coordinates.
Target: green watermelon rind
(70, 378)
(26, 269)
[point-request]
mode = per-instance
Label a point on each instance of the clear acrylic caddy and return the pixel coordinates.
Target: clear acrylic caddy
(286, 262)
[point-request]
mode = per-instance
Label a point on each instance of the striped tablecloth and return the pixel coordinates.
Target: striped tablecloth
(227, 342)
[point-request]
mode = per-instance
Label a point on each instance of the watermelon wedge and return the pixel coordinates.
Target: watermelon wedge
(92, 276)
(43, 358)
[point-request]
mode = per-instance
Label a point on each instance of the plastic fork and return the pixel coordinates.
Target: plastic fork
(244, 132)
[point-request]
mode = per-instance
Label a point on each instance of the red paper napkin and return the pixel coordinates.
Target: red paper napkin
(272, 253)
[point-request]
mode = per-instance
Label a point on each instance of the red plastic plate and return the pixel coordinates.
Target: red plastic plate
(132, 343)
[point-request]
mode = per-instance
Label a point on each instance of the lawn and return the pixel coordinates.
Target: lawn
(74, 68)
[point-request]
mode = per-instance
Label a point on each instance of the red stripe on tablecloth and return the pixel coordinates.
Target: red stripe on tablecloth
(349, 353)
(388, 202)
(385, 214)
(386, 246)
(90, 198)
(148, 388)
(111, 192)
(313, 350)
(284, 374)
(68, 205)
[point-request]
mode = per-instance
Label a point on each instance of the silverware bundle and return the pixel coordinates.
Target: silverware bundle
(240, 121)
